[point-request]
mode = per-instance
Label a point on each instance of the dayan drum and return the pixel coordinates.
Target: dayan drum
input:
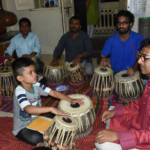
(83, 114)
(55, 75)
(103, 81)
(61, 132)
(128, 87)
(7, 82)
(76, 74)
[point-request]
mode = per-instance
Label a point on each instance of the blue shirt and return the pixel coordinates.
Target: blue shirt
(24, 45)
(122, 54)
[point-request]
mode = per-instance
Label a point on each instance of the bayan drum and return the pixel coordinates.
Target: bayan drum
(55, 75)
(76, 74)
(103, 81)
(7, 82)
(83, 114)
(128, 87)
(61, 132)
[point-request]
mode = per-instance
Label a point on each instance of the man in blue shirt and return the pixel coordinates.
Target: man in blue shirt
(122, 46)
(25, 43)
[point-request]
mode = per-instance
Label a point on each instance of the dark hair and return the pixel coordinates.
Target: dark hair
(145, 43)
(24, 19)
(73, 18)
(127, 14)
(19, 64)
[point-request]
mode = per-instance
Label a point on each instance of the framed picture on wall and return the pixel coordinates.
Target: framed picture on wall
(51, 3)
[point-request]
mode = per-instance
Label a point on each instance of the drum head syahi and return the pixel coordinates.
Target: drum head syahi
(76, 109)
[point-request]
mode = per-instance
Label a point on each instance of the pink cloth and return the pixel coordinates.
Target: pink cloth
(132, 122)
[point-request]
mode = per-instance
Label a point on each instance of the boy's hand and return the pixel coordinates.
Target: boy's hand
(79, 101)
(58, 112)
(107, 115)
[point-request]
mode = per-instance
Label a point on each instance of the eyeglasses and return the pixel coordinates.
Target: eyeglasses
(122, 23)
(143, 57)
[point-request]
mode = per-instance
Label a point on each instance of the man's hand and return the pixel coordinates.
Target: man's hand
(130, 71)
(26, 55)
(106, 136)
(107, 115)
(54, 62)
(104, 62)
(7, 62)
(76, 60)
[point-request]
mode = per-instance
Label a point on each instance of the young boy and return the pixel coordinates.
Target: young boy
(27, 102)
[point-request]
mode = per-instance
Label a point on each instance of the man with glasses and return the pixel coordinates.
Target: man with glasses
(122, 46)
(129, 125)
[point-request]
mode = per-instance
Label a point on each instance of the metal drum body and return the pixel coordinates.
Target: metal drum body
(55, 75)
(7, 82)
(128, 87)
(76, 74)
(103, 81)
(61, 132)
(83, 114)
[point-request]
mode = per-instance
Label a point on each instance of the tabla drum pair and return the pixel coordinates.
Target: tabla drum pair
(103, 81)
(55, 75)
(76, 75)
(128, 87)
(62, 132)
(83, 114)
(7, 82)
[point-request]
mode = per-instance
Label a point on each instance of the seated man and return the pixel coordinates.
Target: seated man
(122, 46)
(77, 45)
(25, 43)
(130, 125)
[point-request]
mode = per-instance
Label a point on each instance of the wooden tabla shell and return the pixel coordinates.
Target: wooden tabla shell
(61, 132)
(55, 74)
(7, 83)
(76, 73)
(103, 81)
(128, 86)
(84, 114)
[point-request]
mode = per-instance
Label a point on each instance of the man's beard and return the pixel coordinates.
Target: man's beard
(74, 31)
(123, 31)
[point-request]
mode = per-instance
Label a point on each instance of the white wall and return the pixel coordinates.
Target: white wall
(47, 24)
(147, 13)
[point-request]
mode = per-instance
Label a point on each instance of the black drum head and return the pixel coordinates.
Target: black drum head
(68, 120)
(76, 105)
(125, 75)
(103, 69)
